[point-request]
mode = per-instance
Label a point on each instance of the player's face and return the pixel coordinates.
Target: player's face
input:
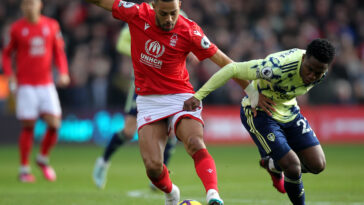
(166, 13)
(312, 69)
(31, 8)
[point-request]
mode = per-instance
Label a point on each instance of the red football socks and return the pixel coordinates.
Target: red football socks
(206, 169)
(50, 139)
(164, 183)
(25, 144)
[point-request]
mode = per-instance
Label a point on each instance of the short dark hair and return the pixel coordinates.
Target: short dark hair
(322, 50)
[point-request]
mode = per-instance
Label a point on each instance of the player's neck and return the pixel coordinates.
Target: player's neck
(33, 19)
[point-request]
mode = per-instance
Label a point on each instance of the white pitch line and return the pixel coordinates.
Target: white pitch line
(146, 193)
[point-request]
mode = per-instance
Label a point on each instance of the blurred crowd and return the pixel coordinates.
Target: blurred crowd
(243, 29)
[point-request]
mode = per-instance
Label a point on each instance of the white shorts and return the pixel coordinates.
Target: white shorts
(152, 108)
(33, 101)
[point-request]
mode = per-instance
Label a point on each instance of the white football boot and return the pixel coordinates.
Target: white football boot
(172, 198)
(100, 172)
(213, 198)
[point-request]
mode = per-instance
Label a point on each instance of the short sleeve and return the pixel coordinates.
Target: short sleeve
(124, 11)
(201, 45)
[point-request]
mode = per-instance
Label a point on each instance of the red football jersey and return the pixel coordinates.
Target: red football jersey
(35, 45)
(159, 57)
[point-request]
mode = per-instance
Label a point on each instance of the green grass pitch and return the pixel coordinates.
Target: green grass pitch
(241, 180)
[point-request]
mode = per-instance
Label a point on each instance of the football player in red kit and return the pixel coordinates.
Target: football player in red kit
(36, 40)
(161, 39)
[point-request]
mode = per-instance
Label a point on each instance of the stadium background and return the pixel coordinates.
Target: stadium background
(244, 29)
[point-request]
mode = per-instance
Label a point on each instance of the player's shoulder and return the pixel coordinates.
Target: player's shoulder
(144, 10)
(189, 27)
(51, 23)
(281, 58)
(291, 54)
(50, 20)
(18, 24)
(187, 23)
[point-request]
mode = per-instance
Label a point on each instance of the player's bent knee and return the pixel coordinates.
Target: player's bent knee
(293, 170)
(53, 122)
(193, 144)
(319, 166)
(129, 135)
(154, 168)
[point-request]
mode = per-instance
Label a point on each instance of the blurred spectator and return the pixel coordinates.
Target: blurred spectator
(244, 29)
(343, 92)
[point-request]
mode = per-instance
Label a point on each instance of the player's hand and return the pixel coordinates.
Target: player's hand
(63, 80)
(13, 84)
(191, 104)
(265, 104)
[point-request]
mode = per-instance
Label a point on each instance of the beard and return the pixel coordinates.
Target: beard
(165, 26)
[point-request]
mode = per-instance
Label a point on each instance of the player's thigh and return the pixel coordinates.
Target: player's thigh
(28, 123)
(27, 103)
(266, 133)
(304, 142)
(131, 113)
(130, 125)
(52, 120)
(300, 134)
(152, 140)
(190, 132)
(313, 158)
(130, 103)
(49, 101)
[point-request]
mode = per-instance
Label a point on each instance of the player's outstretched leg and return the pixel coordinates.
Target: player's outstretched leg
(164, 183)
(206, 170)
(49, 140)
(168, 152)
(277, 176)
(25, 146)
(102, 164)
